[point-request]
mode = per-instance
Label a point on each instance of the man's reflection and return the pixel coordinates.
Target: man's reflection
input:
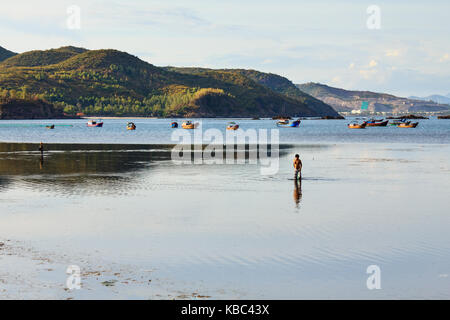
(41, 160)
(298, 193)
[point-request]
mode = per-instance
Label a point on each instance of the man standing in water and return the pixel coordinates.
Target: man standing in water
(298, 167)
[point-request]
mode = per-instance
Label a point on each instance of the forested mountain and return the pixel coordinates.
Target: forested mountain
(110, 82)
(5, 54)
(274, 82)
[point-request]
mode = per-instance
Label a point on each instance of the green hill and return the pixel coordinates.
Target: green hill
(274, 82)
(5, 54)
(42, 58)
(28, 109)
(110, 82)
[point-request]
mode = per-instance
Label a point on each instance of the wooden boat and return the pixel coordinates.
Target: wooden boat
(131, 126)
(189, 125)
(174, 124)
(377, 123)
(50, 127)
(408, 125)
(397, 122)
(96, 124)
(293, 124)
(283, 122)
(357, 125)
(232, 126)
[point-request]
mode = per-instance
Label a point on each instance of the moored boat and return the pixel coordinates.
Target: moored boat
(95, 123)
(357, 125)
(283, 122)
(377, 123)
(293, 124)
(189, 125)
(408, 125)
(232, 126)
(397, 122)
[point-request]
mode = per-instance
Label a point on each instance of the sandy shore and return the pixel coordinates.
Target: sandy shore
(28, 273)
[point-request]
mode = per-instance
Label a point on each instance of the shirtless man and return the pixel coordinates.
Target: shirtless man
(298, 167)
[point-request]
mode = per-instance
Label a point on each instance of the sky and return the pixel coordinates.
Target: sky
(399, 47)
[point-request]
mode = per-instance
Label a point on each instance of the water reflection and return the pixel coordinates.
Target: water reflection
(298, 195)
(72, 168)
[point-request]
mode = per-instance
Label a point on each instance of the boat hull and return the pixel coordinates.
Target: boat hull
(410, 125)
(189, 126)
(377, 124)
(357, 126)
(97, 125)
(294, 124)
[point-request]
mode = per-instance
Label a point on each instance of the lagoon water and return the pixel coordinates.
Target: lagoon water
(158, 131)
(377, 196)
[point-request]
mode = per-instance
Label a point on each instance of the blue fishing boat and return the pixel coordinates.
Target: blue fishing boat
(290, 124)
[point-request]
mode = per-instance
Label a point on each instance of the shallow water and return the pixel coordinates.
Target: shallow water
(158, 131)
(231, 232)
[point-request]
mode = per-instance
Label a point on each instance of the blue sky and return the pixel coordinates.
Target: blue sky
(320, 41)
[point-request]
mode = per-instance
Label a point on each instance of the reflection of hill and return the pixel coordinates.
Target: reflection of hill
(24, 159)
(76, 169)
(3, 183)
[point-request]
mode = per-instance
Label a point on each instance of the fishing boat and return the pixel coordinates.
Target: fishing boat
(174, 124)
(377, 123)
(131, 126)
(95, 123)
(397, 122)
(289, 124)
(357, 125)
(189, 125)
(283, 122)
(408, 125)
(232, 126)
(50, 127)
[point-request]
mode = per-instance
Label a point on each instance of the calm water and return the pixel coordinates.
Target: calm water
(230, 231)
(151, 131)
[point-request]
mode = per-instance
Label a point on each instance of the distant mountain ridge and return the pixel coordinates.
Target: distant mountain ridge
(5, 54)
(111, 82)
(347, 100)
(435, 98)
